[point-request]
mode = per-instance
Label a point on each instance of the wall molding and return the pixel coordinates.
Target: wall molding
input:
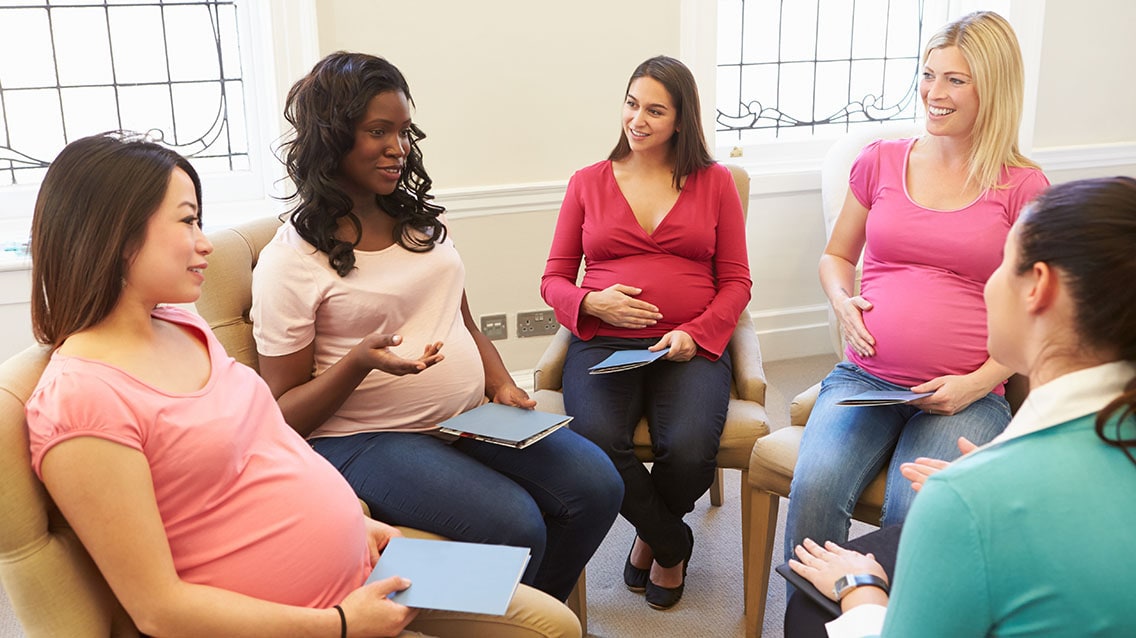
(1064, 158)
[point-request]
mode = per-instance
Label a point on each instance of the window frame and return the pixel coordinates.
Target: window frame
(278, 43)
(784, 166)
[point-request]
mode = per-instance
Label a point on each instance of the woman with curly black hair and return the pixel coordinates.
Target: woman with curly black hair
(352, 301)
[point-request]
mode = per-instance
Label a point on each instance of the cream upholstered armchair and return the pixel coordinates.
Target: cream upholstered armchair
(53, 584)
(746, 420)
(774, 457)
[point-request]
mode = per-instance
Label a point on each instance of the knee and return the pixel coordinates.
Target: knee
(600, 484)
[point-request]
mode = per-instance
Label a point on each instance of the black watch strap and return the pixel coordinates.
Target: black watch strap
(848, 582)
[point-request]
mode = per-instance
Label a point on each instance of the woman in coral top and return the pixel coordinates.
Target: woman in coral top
(930, 214)
(660, 229)
(204, 511)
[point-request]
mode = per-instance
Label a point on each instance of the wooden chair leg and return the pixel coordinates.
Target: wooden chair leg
(578, 601)
(762, 530)
(745, 496)
(716, 488)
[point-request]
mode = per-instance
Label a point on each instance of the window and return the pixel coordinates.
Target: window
(195, 75)
(814, 68)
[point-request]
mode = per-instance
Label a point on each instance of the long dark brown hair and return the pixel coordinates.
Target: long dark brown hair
(90, 218)
(323, 109)
(689, 142)
(1087, 230)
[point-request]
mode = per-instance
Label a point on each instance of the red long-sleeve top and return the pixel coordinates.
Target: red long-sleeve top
(694, 267)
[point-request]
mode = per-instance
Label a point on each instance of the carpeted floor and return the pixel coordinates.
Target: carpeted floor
(712, 604)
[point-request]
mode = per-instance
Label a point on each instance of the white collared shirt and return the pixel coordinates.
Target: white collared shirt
(1063, 399)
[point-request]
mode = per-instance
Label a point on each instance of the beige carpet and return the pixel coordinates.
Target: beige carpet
(712, 604)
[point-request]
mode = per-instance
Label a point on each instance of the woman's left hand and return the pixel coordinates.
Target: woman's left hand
(952, 394)
(512, 395)
(681, 344)
(378, 535)
(823, 566)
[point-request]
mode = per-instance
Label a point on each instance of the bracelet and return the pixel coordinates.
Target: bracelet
(848, 582)
(342, 622)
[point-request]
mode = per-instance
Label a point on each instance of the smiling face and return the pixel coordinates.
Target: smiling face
(376, 161)
(168, 266)
(649, 116)
(949, 94)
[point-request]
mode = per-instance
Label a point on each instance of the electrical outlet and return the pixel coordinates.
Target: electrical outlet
(538, 323)
(495, 327)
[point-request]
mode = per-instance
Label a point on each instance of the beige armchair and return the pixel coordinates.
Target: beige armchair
(746, 419)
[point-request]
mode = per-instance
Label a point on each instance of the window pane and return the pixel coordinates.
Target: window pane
(25, 49)
(139, 48)
(86, 64)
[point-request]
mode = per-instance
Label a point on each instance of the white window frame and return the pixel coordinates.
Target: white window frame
(785, 166)
(279, 44)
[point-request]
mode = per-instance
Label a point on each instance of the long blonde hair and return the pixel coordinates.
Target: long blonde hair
(988, 43)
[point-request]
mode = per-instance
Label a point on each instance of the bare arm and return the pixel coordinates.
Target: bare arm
(499, 384)
(106, 493)
(838, 274)
(307, 401)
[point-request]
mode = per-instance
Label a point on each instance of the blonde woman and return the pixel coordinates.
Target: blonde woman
(930, 215)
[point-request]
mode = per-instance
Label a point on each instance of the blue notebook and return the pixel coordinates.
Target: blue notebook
(504, 424)
(627, 360)
(469, 577)
(883, 397)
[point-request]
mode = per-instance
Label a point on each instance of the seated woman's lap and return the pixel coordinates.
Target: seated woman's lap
(844, 448)
(417, 480)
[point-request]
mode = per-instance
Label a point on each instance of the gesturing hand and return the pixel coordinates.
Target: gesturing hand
(856, 335)
(921, 469)
(617, 305)
(373, 353)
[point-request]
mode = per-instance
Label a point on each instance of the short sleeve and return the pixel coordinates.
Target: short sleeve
(1030, 184)
(285, 297)
(864, 177)
(69, 404)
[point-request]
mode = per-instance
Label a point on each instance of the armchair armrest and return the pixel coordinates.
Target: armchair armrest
(802, 405)
(745, 353)
(549, 371)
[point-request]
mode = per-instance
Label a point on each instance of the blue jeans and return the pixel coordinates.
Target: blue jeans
(558, 497)
(685, 404)
(844, 448)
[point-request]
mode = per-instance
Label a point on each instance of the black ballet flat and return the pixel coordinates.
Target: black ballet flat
(659, 597)
(635, 578)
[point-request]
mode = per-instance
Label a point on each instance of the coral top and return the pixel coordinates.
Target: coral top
(247, 505)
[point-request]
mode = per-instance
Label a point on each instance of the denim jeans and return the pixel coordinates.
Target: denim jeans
(843, 448)
(685, 404)
(558, 497)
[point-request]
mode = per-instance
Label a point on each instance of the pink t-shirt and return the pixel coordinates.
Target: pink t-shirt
(297, 299)
(694, 266)
(247, 505)
(924, 269)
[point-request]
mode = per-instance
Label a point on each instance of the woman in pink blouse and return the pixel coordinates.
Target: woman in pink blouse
(660, 228)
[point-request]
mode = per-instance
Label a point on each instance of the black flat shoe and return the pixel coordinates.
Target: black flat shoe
(659, 597)
(635, 578)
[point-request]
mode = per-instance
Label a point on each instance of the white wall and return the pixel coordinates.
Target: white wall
(515, 95)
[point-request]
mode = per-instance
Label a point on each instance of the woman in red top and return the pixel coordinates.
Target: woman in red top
(660, 228)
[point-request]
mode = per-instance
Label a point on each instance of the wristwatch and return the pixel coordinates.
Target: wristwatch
(848, 582)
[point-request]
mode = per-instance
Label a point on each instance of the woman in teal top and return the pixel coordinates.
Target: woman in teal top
(1031, 533)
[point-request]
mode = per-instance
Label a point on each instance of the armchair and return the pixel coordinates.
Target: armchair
(746, 419)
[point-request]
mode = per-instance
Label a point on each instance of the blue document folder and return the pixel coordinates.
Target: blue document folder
(469, 577)
(504, 424)
(626, 360)
(883, 397)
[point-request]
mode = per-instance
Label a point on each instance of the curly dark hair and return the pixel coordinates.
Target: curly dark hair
(323, 109)
(1087, 229)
